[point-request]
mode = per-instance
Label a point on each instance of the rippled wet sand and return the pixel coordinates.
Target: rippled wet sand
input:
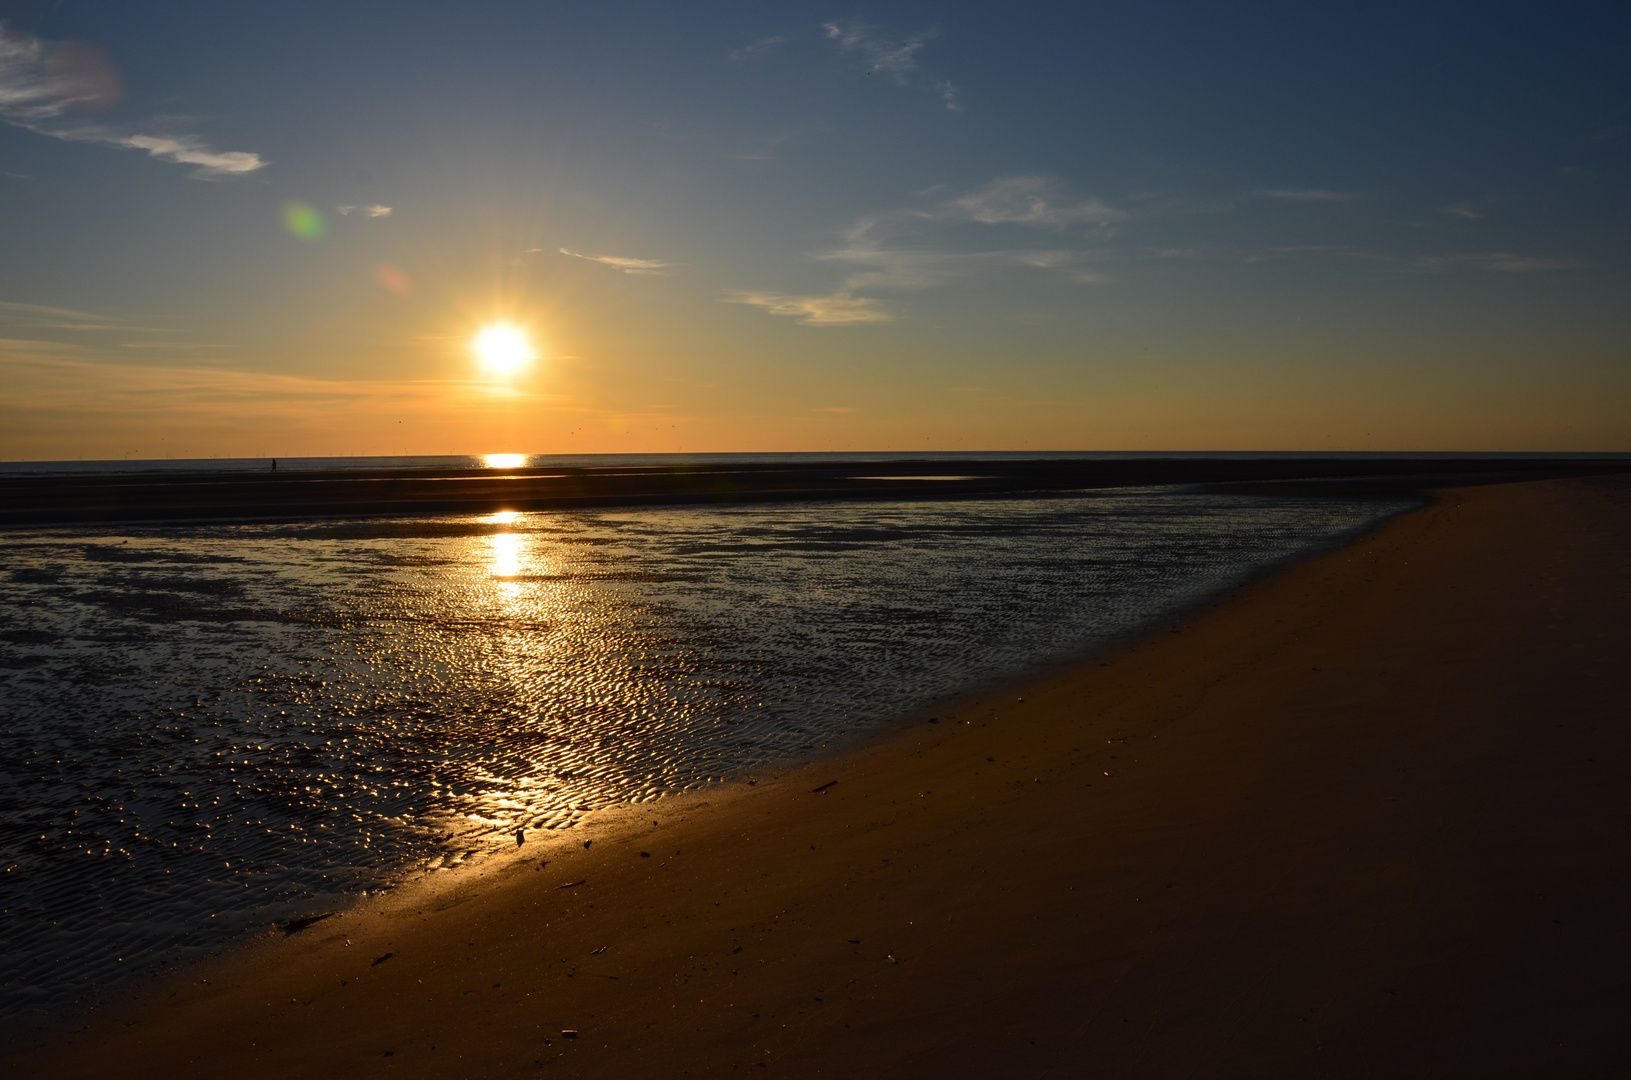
(207, 729)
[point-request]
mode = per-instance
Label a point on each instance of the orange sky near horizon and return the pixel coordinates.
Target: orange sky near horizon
(60, 407)
(752, 230)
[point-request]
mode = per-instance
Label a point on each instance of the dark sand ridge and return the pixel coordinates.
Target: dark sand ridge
(47, 499)
(1366, 819)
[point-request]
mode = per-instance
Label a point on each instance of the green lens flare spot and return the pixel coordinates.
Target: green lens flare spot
(303, 220)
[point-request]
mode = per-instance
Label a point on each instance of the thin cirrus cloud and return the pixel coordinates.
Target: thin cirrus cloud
(38, 376)
(375, 211)
(624, 263)
(1308, 194)
(34, 318)
(906, 250)
(1488, 262)
(45, 317)
(837, 309)
(84, 326)
(894, 59)
(1025, 200)
(755, 49)
(1497, 262)
(41, 82)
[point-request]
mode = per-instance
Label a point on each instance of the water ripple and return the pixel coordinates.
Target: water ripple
(205, 729)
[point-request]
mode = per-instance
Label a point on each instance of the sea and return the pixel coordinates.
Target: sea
(207, 729)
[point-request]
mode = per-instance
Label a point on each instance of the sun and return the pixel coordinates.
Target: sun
(502, 349)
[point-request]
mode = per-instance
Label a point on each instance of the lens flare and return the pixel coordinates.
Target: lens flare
(502, 349)
(82, 75)
(391, 277)
(304, 221)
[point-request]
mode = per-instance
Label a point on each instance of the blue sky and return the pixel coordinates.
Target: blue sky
(801, 226)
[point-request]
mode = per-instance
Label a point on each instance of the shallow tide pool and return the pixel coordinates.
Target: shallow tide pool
(204, 729)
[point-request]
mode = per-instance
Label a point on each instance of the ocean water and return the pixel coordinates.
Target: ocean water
(204, 730)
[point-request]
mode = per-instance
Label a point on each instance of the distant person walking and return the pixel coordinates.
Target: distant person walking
(274, 464)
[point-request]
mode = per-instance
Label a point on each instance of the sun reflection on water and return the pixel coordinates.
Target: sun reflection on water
(507, 551)
(410, 693)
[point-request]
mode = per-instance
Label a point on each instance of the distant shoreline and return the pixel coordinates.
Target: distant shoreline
(45, 499)
(370, 463)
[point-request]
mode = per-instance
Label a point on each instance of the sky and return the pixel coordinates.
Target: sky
(277, 229)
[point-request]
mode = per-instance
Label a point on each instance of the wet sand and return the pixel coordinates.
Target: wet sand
(1366, 818)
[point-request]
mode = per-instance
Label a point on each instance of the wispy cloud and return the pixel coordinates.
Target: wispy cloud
(1068, 263)
(838, 309)
(764, 147)
(896, 59)
(45, 317)
(1497, 262)
(375, 211)
(1491, 262)
(40, 83)
(905, 249)
(1308, 194)
(1462, 210)
(1026, 200)
(884, 263)
(624, 263)
(47, 376)
(921, 248)
(755, 49)
(181, 149)
(174, 346)
(28, 91)
(893, 58)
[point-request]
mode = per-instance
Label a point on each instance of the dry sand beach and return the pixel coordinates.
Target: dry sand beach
(1365, 818)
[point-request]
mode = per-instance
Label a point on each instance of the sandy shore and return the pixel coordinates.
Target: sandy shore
(1368, 818)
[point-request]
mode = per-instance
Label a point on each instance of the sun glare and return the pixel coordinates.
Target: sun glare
(502, 349)
(506, 555)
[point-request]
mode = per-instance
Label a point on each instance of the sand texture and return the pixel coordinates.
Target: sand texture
(1367, 818)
